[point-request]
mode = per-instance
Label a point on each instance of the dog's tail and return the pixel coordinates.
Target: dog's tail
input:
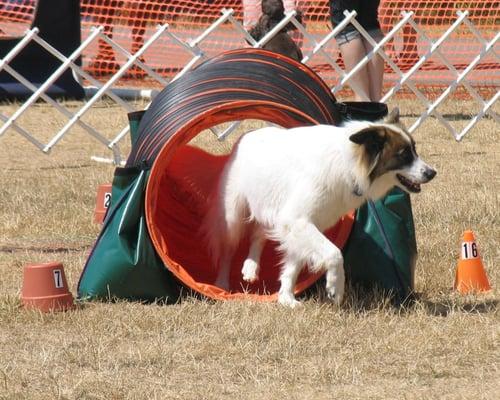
(212, 228)
(223, 224)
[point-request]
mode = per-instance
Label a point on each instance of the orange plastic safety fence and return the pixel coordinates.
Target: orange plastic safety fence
(131, 22)
(15, 16)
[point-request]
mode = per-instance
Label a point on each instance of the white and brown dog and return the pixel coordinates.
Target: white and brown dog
(290, 185)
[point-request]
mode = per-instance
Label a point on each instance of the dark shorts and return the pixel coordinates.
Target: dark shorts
(367, 17)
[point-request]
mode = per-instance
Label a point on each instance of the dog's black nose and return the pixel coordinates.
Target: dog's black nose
(429, 173)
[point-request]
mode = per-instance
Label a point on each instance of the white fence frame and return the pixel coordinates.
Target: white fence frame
(98, 90)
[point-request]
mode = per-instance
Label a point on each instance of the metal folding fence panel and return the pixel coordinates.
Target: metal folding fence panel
(195, 52)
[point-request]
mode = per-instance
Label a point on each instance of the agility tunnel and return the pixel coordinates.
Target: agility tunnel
(151, 245)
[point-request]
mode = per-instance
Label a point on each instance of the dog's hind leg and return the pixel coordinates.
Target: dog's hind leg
(227, 251)
(303, 241)
(222, 280)
(233, 219)
(289, 273)
(250, 270)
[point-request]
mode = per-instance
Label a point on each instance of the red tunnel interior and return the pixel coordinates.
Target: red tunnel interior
(180, 183)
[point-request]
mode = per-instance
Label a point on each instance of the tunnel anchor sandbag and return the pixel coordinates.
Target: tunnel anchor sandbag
(381, 251)
(124, 264)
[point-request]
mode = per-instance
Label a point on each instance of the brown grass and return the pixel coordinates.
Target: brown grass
(446, 346)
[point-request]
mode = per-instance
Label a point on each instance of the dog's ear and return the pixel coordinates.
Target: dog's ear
(393, 117)
(372, 139)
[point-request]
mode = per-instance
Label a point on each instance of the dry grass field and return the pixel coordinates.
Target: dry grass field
(445, 346)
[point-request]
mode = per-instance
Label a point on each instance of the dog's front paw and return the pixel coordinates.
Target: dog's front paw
(335, 286)
(250, 271)
(335, 296)
(288, 301)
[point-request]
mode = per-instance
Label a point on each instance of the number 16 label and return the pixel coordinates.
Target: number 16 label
(469, 250)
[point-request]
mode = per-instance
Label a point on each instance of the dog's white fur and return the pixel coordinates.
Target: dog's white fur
(289, 185)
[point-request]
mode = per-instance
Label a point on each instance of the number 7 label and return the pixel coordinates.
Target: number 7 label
(58, 279)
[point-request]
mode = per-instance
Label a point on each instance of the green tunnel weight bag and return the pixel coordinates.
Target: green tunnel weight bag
(382, 250)
(125, 262)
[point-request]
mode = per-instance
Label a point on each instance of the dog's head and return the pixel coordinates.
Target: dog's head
(273, 8)
(387, 154)
(275, 11)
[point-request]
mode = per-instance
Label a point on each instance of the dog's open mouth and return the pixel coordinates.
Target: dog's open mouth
(411, 186)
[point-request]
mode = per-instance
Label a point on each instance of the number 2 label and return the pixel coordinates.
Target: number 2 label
(469, 250)
(107, 199)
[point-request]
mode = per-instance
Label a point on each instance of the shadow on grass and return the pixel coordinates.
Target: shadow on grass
(446, 307)
(358, 299)
(361, 299)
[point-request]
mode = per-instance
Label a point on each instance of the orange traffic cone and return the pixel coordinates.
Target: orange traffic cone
(102, 202)
(470, 274)
(45, 288)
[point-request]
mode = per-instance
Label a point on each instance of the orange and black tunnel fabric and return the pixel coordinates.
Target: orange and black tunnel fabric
(289, 88)
(237, 85)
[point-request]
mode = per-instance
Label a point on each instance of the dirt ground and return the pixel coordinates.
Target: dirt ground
(446, 346)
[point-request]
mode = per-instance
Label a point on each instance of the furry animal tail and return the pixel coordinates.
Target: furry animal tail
(213, 229)
(223, 224)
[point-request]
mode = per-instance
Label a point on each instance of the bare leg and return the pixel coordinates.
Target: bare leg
(375, 74)
(352, 53)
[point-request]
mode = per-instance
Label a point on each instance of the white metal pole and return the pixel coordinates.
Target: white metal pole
(137, 62)
(18, 47)
(222, 19)
(57, 73)
(480, 115)
(56, 53)
(239, 27)
(424, 57)
(108, 84)
(319, 47)
(279, 26)
(54, 103)
(322, 43)
(23, 133)
(459, 79)
(435, 49)
(376, 47)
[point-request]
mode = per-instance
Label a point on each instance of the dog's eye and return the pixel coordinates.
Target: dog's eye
(406, 155)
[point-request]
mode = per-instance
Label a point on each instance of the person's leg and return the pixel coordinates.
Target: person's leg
(375, 68)
(368, 18)
(353, 52)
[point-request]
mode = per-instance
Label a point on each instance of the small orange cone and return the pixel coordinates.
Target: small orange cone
(45, 288)
(470, 274)
(103, 200)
